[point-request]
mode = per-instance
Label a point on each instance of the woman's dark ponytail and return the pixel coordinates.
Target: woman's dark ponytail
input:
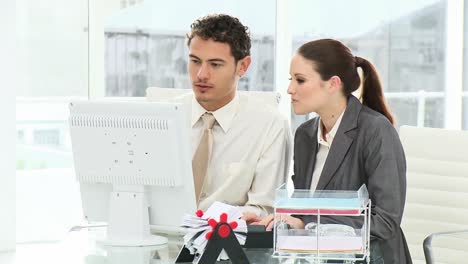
(331, 57)
(372, 92)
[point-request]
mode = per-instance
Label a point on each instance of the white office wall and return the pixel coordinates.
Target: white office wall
(7, 132)
(454, 62)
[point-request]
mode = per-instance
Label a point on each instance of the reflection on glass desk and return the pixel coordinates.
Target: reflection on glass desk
(83, 247)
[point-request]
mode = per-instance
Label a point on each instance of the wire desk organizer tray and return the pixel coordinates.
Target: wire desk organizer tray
(340, 230)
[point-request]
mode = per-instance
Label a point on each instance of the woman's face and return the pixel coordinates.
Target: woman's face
(307, 89)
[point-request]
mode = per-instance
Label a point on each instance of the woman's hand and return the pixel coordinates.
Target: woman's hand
(293, 222)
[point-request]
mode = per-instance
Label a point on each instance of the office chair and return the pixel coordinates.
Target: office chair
(427, 245)
(437, 190)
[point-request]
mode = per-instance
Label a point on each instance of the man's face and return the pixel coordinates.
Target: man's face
(213, 72)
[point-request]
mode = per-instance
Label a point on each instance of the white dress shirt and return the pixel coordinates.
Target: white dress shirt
(250, 156)
(323, 149)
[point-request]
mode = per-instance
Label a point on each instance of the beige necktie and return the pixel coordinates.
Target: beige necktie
(202, 155)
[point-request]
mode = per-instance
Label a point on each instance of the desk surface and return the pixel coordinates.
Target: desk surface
(81, 247)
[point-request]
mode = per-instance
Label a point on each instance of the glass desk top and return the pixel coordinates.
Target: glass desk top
(83, 247)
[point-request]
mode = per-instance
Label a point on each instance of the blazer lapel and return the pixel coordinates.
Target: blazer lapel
(343, 140)
(313, 148)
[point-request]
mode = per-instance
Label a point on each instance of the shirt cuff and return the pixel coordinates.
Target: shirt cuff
(253, 209)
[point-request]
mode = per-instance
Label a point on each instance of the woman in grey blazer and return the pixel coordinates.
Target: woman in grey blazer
(350, 143)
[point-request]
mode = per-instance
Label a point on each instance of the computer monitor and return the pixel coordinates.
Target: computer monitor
(133, 163)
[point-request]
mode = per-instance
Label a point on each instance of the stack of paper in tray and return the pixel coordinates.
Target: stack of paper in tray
(197, 227)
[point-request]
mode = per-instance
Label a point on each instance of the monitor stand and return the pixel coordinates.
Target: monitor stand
(128, 221)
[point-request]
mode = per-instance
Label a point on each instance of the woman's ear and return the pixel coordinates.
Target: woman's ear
(335, 83)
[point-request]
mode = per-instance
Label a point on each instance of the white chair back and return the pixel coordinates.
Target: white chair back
(164, 94)
(437, 193)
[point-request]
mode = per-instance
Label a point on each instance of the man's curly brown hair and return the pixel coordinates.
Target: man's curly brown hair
(225, 29)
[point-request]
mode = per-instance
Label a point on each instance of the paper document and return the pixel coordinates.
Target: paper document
(326, 244)
(336, 203)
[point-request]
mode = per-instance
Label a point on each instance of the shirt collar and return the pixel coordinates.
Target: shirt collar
(224, 116)
(330, 135)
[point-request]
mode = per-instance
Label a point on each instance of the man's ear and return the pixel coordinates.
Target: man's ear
(243, 65)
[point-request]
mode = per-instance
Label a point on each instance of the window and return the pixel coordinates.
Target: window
(406, 41)
(133, 44)
(53, 69)
(465, 68)
(20, 136)
(146, 47)
(50, 137)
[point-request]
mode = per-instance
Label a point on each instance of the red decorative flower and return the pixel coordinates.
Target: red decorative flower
(199, 213)
(223, 230)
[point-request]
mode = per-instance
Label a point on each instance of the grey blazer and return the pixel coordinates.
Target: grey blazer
(366, 150)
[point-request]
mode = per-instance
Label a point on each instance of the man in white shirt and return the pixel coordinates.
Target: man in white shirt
(248, 144)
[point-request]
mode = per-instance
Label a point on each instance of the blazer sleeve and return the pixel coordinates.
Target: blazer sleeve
(385, 169)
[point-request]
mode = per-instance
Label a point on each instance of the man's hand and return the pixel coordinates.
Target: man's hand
(250, 217)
